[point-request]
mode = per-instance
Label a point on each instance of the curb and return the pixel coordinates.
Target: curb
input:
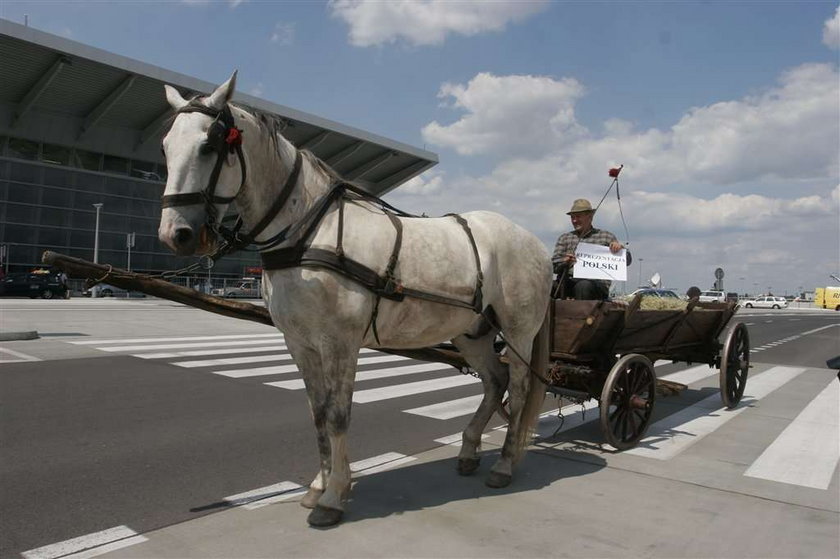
(15, 336)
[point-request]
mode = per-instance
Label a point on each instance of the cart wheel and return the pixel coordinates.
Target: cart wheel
(734, 365)
(627, 401)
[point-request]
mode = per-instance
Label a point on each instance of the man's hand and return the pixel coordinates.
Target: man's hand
(569, 259)
(615, 246)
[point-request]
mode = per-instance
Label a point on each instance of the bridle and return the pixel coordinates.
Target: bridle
(224, 138)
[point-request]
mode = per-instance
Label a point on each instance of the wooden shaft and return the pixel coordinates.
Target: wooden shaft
(84, 269)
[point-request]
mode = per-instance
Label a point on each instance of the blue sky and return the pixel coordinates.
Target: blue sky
(725, 114)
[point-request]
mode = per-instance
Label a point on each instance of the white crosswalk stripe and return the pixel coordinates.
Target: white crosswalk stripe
(674, 434)
(807, 451)
(361, 376)
(804, 453)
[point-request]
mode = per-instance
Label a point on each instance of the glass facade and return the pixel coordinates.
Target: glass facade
(47, 194)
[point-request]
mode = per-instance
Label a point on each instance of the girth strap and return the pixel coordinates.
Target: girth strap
(392, 285)
(478, 304)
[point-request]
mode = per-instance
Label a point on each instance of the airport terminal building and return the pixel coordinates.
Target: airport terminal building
(80, 127)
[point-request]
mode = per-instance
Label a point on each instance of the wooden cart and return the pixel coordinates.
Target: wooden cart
(605, 350)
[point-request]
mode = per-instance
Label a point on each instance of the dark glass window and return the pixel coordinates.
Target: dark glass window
(123, 187)
(57, 155)
(87, 160)
(114, 164)
(54, 216)
(2, 144)
(24, 193)
(57, 197)
(23, 149)
(90, 183)
(82, 239)
(51, 236)
(86, 200)
(144, 170)
(19, 213)
(20, 234)
(25, 172)
(58, 177)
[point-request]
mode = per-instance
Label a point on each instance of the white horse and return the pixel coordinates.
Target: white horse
(218, 154)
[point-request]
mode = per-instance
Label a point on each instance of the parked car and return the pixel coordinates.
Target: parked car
(107, 290)
(712, 297)
(768, 302)
(44, 284)
(246, 289)
(655, 292)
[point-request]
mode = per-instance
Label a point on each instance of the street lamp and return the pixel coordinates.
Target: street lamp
(640, 271)
(96, 244)
(96, 234)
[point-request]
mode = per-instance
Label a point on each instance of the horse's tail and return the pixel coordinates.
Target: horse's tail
(536, 391)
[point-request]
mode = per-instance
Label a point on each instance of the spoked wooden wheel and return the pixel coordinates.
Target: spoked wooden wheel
(627, 401)
(734, 365)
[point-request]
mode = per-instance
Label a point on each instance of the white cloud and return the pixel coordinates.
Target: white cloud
(233, 4)
(283, 34)
(258, 90)
(423, 185)
(509, 115)
(750, 184)
(427, 22)
(831, 31)
(788, 132)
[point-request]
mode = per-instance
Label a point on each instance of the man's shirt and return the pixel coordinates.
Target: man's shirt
(568, 242)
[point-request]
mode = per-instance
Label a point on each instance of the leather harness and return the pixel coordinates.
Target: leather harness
(224, 138)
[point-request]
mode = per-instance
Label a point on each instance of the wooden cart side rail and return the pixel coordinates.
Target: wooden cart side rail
(78, 268)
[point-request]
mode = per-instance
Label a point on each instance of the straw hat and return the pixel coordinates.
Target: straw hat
(580, 205)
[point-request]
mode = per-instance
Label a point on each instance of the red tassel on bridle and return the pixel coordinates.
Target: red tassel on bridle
(234, 137)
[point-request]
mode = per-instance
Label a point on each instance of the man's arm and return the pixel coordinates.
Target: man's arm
(613, 242)
(563, 256)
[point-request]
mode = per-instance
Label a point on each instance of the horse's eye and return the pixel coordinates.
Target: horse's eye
(205, 149)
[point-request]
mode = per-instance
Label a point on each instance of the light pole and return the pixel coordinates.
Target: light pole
(640, 271)
(98, 207)
(129, 243)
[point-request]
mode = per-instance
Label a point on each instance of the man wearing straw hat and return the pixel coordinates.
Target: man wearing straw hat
(564, 254)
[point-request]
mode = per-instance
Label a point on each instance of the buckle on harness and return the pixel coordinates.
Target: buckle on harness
(392, 288)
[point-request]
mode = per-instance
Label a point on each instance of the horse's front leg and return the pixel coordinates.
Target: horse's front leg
(331, 408)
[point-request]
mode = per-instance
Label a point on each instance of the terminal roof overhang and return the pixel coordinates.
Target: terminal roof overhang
(44, 73)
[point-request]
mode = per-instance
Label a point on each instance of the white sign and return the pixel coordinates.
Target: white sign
(597, 262)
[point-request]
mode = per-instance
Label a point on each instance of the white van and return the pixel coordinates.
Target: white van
(712, 297)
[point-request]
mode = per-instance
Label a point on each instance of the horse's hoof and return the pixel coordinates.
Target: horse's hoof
(467, 466)
(321, 516)
(497, 480)
(310, 500)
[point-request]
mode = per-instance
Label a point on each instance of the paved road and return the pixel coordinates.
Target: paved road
(133, 416)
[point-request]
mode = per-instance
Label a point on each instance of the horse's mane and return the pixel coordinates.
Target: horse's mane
(272, 126)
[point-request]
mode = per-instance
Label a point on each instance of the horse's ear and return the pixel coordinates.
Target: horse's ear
(223, 93)
(174, 97)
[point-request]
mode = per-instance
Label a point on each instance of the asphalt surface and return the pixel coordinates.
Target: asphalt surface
(95, 438)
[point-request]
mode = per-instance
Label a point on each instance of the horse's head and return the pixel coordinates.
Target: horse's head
(205, 169)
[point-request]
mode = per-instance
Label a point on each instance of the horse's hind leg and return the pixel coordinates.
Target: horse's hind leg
(519, 394)
(479, 353)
